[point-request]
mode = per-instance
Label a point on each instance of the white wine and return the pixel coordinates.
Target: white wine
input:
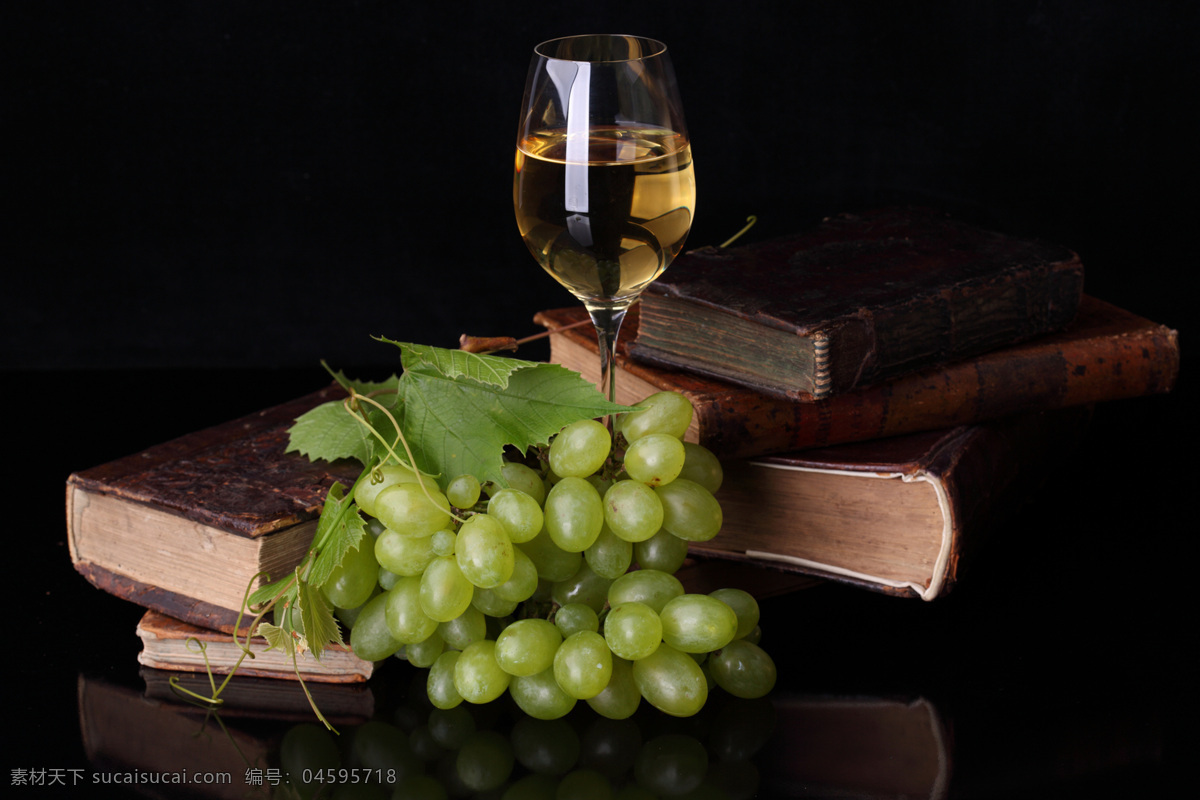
(605, 211)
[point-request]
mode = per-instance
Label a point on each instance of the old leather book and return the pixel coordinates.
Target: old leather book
(186, 526)
(902, 515)
(1107, 353)
(168, 644)
(857, 300)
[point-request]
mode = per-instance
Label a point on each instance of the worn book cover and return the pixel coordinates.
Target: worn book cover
(857, 300)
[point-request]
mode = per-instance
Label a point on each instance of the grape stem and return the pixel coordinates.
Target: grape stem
(412, 461)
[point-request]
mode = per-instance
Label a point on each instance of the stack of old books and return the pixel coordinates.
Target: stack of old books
(880, 390)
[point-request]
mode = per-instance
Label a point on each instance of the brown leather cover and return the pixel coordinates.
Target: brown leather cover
(1107, 353)
(234, 476)
(859, 299)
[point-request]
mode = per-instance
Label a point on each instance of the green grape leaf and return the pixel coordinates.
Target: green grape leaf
(492, 370)
(277, 637)
(328, 432)
(362, 387)
(266, 593)
(340, 528)
(320, 626)
(456, 425)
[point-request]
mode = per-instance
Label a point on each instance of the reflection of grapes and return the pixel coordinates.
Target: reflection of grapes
(498, 750)
(559, 587)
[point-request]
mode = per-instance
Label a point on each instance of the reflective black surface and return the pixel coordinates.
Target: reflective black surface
(1051, 671)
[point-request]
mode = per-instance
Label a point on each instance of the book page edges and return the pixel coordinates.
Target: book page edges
(937, 578)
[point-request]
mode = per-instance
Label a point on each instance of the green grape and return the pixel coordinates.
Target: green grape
(424, 653)
(583, 664)
(348, 616)
(370, 638)
(600, 483)
(381, 478)
(442, 542)
(522, 583)
(574, 617)
(387, 579)
(402, 553)
(477, 676)
(621, 698)
(580, 449)
(655, 459)
(632, 630)
(632, 510)
(743, 669)
(445, 591)
(552, 562)
(609, 556)
(465, 629)
(406, 619)
(484, 552)
(527, 646)
(439, 683)
(664, 551)
(662, 412)
(648, 586)
(698, 623)
(485, 761)
(701, 466)
(670, 764)
(744, 605)
(585, 587)
(689, 510)
(540, 696)
(671, 681)
(524, 479)
(352, 581)
(574, 514)
(518, 512)
(463, 491)
(492, 604)
(407, 508)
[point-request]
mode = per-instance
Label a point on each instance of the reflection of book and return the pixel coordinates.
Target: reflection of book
(131, 735)
(855, 300)
(170, 644)
(863, 746)
(1106, 354)
(185, 526)
(899, 515)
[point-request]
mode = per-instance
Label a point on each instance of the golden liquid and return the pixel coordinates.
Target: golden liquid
(605, 221)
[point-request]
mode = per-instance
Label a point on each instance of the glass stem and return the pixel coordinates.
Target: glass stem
(607, 320)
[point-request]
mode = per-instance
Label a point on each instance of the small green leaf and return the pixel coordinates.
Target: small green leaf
(320, 626)
(329, 432)
(266, 593)
(277, 637)
(339, 528)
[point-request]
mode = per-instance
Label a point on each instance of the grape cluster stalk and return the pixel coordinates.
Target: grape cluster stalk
(560, 586)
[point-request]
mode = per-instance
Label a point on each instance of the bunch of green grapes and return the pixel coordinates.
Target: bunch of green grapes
(559, 587)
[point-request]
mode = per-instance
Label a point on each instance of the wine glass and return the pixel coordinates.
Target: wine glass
(603, 184)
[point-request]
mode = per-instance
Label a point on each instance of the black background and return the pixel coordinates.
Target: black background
(208, 198)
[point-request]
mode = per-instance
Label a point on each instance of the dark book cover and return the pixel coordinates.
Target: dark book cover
(857, 300)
